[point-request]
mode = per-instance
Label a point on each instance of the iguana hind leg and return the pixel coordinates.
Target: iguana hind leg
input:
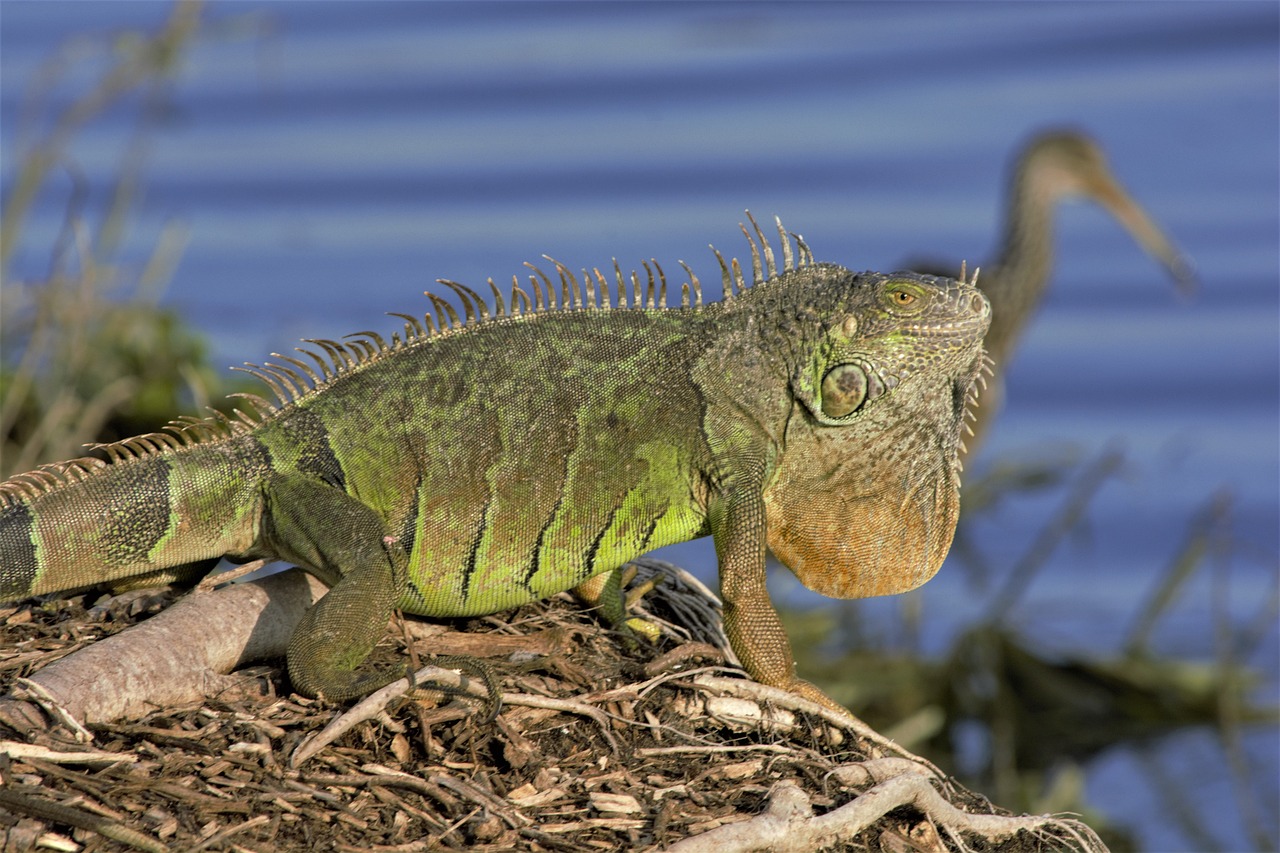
(343, 542)
(606, 592)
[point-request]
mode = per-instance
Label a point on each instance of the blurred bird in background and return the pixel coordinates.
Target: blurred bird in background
(1052, 167)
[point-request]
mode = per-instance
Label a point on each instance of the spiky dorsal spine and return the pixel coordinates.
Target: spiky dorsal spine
(292, 379)
(176, 436)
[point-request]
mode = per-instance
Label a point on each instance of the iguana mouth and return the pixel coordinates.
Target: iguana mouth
(977, 316)
(955, 328)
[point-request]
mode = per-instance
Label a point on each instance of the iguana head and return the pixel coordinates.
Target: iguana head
(864, 497)
(890, 329)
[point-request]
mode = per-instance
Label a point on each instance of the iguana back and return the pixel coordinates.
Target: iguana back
(468, 466)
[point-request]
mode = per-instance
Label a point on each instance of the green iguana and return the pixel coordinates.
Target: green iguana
(471, 465)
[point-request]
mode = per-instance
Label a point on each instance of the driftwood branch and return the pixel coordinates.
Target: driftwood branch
(789, 825)
(181, 655)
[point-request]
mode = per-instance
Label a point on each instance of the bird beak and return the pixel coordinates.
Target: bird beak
(1113, 197)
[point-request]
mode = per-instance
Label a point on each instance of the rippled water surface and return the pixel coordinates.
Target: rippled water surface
(331, 159)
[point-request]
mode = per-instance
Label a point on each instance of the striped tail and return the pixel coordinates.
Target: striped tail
(137, 520)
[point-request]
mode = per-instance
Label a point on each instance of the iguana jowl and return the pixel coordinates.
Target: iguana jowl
(469, 466)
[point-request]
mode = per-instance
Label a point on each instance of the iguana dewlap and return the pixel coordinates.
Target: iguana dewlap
(470, 465)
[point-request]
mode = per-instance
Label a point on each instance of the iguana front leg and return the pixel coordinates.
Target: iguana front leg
(344, 543)
(738, 527)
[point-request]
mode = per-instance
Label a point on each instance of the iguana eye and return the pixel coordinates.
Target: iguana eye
(903, 295)
(844, 389)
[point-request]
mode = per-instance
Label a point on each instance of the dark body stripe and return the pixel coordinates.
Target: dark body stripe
(139, 512)
(648, 533)
(469, 568)
(535, 560)
(589, 559)
(409, 527)
(315, 453)
(18, 565)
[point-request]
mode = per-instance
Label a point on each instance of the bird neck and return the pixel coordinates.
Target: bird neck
(1024, 263)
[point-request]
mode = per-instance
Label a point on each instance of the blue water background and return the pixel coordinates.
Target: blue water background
(330, 160)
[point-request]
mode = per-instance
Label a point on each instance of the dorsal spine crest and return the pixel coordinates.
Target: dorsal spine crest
(295, 379)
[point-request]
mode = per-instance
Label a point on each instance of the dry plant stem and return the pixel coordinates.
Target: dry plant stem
(570, 707)
(1047, 540)
(788, 824)
(1230, 726)
(17, 751)
(375, 705)
(68, 319)
(1231, 660)
(156, 663)
(218, 837)
(69, 326)
(665, 664)
(42, 808)
(145, 65)
(213, 581)
(29, 707)
(1204, 529)
(847, 721)
(711, 750)
(877, 770)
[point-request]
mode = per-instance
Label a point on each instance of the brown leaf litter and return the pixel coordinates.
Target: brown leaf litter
(603, 743)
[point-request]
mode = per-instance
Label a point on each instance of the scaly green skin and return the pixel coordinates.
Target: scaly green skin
(507, 458)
